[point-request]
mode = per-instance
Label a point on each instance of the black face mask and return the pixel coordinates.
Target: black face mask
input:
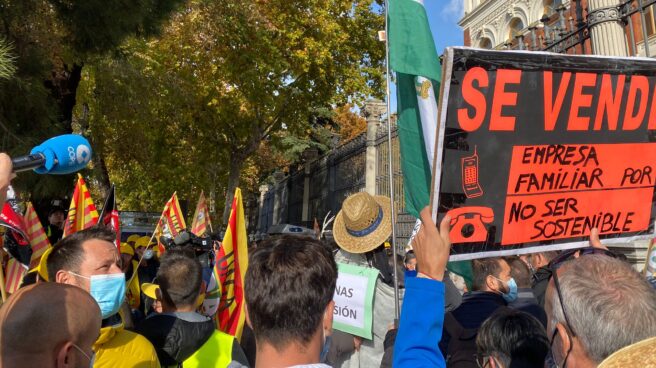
(378, 258)
(553, 358)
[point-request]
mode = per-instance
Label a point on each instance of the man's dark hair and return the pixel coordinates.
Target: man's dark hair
(289, 283)
(514, 338)
(68, 254)
(409, 255)
(520, 272)
(55, 210)
(179, 278)
(482, 268)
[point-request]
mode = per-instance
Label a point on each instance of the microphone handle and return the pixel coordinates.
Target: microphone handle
(29, 162)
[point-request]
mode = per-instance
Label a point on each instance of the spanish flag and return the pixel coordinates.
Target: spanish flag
(35, 234)
(229, 270)
(201, 222)
(82, 213)
(14, 275)
(171, 223)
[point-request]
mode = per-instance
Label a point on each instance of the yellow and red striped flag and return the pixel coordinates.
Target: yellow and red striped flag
(171, 223)
(229, 270)
(82, 213)
(14, 275)
(201, 223)
(35, 234)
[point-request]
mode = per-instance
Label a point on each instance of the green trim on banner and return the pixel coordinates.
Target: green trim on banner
(371, 274)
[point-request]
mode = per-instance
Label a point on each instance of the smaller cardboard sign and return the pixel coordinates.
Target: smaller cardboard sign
(354, 294)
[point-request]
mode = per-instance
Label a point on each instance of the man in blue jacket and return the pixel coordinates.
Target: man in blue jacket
(420, 329)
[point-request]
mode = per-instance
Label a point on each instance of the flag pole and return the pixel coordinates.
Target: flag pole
(2, 285)
(391, 162)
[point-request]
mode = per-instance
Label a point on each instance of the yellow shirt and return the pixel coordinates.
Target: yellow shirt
(119, 348)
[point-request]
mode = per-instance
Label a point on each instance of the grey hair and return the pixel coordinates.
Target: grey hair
(608, 304)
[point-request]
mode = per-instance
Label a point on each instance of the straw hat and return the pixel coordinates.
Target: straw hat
(640, 354)
(363, 223)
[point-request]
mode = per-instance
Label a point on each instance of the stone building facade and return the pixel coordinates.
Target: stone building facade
(599, 27)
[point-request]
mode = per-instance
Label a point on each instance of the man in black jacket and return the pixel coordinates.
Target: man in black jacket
(179, 334)
(526, 301)
(492, 288)
(538, 263)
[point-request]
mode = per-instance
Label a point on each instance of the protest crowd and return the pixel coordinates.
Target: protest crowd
(87, 303)
(78, 292)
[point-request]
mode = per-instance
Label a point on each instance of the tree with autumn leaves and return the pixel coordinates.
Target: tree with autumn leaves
(230, 91)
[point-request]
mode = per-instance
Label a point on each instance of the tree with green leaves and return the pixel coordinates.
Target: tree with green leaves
(227, 81)
(52, 41)
(7, 67)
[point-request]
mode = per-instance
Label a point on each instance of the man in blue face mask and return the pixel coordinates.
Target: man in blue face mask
(89, 260)
(492, 288)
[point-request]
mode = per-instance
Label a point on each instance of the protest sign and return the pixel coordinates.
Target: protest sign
(536, 149)
(353, 299)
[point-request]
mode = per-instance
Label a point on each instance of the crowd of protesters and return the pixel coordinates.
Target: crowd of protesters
(90, 306)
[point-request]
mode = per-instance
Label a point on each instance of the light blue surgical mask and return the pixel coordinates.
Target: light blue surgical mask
(511, 296)
(108, 291)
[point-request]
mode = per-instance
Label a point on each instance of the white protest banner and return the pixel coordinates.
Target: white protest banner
(353, 299)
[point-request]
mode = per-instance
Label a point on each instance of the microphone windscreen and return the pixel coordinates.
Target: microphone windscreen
(64, 154)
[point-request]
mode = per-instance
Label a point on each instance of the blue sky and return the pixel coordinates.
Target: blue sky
(443, 16)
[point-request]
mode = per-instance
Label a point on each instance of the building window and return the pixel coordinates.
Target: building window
(550, 6)
(485, 43)
(649, 20)
(516, 26)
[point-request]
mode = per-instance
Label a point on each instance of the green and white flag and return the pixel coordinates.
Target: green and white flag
(418, 75)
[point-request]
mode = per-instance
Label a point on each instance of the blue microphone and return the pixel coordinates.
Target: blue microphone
(63, 154)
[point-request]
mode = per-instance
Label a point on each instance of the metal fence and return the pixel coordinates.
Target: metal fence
(332, 178)
(296, 186)
(404, 221)
(634, 14)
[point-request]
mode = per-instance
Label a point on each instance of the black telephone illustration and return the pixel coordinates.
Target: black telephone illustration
(467, 224)
(470, 183)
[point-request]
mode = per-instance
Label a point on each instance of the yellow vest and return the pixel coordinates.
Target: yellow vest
(216, 352)
(133, 290)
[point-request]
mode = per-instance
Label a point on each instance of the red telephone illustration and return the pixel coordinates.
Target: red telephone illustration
(467, 224)
(470, 176)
